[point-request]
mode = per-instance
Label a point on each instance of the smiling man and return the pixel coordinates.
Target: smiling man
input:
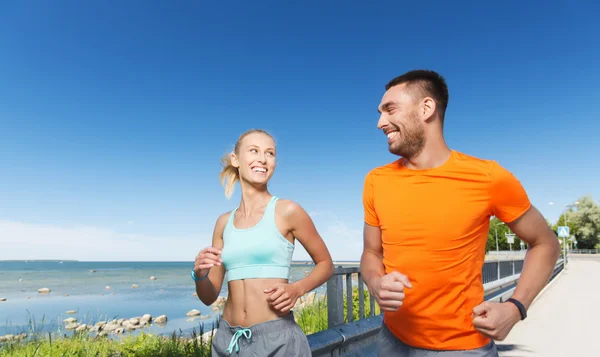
(427, 217)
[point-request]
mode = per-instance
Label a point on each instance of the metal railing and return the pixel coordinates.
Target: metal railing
(345, 337)
(584, 251)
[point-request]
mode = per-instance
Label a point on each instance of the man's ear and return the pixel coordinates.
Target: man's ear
(427, 109)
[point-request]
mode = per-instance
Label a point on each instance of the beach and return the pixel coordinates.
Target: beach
(99, 291)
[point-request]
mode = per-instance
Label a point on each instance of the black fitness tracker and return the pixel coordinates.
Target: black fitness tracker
(519, 306)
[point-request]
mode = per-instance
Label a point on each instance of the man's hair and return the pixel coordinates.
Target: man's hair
(428, 83)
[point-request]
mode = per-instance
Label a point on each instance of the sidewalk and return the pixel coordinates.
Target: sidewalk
(564, 320)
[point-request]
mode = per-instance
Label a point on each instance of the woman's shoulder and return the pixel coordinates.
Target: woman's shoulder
(288, 208)
(222, 219)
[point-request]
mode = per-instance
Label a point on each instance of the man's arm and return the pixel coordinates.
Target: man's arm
(542, 254)
(371, 261)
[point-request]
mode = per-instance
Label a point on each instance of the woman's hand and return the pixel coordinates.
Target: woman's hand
(283, 297)
(206, 259)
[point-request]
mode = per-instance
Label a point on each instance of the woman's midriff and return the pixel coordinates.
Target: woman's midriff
(247, 302)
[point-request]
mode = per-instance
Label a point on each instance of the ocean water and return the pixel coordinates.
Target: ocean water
(74, 287)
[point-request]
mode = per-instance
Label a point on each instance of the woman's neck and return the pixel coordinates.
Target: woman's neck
(253, 199)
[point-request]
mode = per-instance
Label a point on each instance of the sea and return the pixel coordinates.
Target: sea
(101, 291)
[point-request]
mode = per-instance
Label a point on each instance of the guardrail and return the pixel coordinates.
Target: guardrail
(345, 337)
(584, 251)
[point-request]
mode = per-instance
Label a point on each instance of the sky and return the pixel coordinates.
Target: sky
(114, 114)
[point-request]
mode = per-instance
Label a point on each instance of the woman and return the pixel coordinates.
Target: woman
(254, 244)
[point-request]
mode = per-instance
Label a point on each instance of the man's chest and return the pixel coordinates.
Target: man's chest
(439, 212)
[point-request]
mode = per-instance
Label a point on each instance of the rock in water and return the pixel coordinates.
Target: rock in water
(72, 326)
(193, 313)
(162, 319)
(70, 312)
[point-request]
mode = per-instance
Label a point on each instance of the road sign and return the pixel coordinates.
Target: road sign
(563, 231)
(510, 238)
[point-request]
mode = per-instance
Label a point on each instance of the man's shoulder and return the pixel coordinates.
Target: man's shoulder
(474, 163)
(385, 169)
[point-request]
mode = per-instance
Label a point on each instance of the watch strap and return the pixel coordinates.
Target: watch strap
(519, 306)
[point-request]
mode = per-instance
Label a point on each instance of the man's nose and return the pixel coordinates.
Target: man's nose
(382, 122)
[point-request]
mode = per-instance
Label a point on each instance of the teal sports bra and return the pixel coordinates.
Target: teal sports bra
(256, 252)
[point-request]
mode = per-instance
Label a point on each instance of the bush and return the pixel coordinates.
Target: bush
(82, 344)
(313, 318)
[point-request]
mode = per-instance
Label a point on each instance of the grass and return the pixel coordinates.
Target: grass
(311, 318)
(84, 345)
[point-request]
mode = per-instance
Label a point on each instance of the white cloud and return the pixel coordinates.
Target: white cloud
(25, 241)
(344, 242)
(20, 241)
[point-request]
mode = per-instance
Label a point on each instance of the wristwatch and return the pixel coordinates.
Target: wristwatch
(519, 306)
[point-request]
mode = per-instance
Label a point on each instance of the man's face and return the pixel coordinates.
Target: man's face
(400, 122)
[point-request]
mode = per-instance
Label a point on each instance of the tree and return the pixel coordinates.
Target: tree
(586, 223)
(497, 226)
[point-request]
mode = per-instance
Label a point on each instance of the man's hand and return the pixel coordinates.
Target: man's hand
(283, 297)
(389, 290)
(495, 320)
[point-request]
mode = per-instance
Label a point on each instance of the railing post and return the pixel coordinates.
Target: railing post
(361, 297)
(498, 265)
(513, 266)
(335, 301)
(349, 300)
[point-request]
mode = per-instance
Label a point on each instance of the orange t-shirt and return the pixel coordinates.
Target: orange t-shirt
(434, 226)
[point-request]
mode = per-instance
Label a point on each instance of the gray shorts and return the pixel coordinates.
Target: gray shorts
(276, 338)
(389, 345)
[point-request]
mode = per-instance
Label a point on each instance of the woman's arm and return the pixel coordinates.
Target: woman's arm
(209, 260)
(284, 296)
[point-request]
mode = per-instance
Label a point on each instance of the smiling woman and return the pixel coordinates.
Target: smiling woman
(253, 244)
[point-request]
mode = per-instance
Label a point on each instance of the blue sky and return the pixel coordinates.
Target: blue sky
(114, 115)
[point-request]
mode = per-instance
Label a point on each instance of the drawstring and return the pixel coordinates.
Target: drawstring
(234, 340)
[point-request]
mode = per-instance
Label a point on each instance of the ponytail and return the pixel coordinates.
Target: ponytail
(229, 175)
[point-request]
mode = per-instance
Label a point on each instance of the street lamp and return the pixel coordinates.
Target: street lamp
(566, 224)
(496, 232)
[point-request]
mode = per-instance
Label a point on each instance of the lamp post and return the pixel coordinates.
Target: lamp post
(566, 224)
(496, 232)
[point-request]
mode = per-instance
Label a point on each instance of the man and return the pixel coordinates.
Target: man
(427, 217)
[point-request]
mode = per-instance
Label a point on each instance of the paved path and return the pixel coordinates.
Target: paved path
(565, 320)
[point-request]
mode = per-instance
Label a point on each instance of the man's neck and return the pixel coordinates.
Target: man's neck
(433, 155)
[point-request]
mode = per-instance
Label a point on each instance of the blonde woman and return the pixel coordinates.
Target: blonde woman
(253, 244)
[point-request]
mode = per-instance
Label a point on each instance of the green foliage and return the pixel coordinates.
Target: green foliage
(582, 218)
(313, 318)
(356, 303)
(499, 229)
(83, 344)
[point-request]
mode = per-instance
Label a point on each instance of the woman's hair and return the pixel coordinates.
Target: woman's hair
(229, 174)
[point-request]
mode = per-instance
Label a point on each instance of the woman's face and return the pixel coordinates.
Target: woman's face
(256, 158)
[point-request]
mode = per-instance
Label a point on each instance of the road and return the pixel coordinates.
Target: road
(563, 321)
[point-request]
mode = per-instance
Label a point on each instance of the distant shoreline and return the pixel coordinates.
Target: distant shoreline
(294, 262)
